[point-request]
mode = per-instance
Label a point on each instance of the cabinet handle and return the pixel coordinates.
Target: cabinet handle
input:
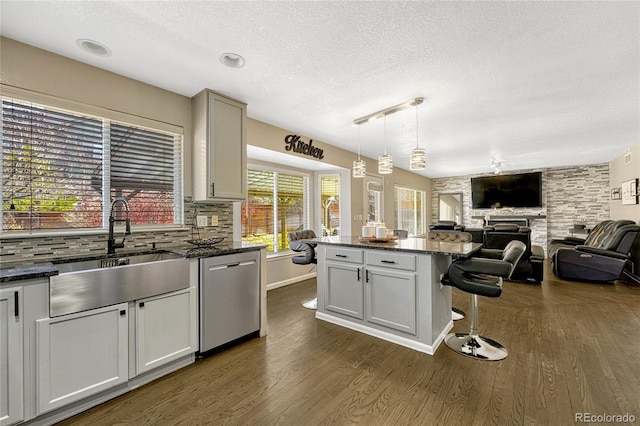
(123, 313)
(358, 274)
(141, 304)
(388, 261)
(16, 304)
(213, 189)
(366, 275)
(342, 255)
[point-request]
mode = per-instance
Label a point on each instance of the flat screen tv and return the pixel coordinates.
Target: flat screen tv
(519, 190)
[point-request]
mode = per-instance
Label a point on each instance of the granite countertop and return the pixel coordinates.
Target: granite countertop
(43, 268)
(417, 245)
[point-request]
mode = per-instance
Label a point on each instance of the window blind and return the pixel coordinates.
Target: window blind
(60, 169)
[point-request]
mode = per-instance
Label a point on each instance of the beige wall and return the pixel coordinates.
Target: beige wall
(618, 173)
(26, 67)
(29, 68)
(270, 137)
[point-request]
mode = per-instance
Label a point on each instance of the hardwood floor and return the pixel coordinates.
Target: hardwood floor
(573, 348)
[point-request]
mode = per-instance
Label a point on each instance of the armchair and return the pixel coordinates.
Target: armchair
(530, 267)
(601, 231)
(599, 262)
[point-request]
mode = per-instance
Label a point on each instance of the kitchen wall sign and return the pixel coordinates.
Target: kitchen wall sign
(297, 145)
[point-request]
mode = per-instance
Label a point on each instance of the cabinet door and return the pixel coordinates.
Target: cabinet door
(80, 355)
(391, 299)
(344, 291)
(227, 148)
(166, 328)
(11, 360)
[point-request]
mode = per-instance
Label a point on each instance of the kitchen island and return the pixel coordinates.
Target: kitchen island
(390, 290)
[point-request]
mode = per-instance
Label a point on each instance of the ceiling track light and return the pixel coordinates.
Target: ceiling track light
(388, 111)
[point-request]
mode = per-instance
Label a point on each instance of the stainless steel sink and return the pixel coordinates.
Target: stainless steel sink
(110, 262)
(91, 284)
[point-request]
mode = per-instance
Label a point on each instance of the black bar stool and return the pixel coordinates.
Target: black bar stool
(481, 277)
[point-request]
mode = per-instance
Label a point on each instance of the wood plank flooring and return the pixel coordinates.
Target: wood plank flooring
(573, 348)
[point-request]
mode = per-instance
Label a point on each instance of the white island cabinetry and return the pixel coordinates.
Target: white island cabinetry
(391, 291)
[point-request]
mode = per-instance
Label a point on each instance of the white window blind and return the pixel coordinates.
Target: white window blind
(277, 203)
(61, 170)
(410, 210)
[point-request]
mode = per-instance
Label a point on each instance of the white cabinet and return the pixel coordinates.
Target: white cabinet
(344, 289)
(80, 355)
(219, 147)
(391, 299)
(166, 328)
(377, 286)
(11, 359)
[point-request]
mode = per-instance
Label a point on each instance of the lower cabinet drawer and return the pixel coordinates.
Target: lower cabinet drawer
(387, 259)
(344, 255)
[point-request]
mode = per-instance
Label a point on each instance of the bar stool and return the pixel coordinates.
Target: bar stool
(481, 277)
(449, 235)
(308, 256)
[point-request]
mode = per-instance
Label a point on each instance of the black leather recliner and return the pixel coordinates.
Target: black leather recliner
(443, 225)
(603, 261)
(601, 231)
(530, 268)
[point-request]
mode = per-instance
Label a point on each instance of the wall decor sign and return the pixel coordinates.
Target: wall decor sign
(630, 192)
(296, 144)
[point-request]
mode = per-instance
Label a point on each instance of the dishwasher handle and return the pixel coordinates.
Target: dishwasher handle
(231, 265)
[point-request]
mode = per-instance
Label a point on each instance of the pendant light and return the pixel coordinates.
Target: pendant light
(359, 166)
(418, 158)
(385, 162)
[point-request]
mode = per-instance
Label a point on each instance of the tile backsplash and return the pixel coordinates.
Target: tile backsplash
(34, 248)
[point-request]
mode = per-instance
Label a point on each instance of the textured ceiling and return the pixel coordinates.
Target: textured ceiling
(530, 84)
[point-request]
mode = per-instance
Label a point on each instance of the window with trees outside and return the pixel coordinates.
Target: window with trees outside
(409, 209)
(61, 170)
(277, 203)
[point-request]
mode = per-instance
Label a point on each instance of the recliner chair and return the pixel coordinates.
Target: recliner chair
(601, 231)
(530, 268)
(308, 257)
(604, 261)
(442, 225)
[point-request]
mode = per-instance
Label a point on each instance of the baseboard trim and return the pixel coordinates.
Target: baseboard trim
(389, 337)
(291, 281)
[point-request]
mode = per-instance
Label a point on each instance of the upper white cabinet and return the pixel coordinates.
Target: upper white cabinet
(11, 367)
(219, 147)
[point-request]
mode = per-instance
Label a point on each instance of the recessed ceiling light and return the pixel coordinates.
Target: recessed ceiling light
(232, 60)
(93, 47)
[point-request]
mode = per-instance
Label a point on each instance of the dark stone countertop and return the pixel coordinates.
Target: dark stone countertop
(43, 268)
(416, 245)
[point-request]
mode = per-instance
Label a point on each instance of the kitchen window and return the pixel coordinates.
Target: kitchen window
(62, 169)
(409, 209)
(277, 203)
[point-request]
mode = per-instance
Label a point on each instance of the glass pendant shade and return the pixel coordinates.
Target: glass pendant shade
(359, 168)
(385, 164)
(418, 159)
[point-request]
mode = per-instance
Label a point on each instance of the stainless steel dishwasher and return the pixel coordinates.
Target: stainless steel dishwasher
(229, 298)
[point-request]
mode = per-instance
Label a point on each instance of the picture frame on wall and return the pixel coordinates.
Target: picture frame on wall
(616, 193)
(629, 191)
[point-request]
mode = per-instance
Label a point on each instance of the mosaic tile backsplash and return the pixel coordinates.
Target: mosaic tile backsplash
(34, 248)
